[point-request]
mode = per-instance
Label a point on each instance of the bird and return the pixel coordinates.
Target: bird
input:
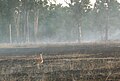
(39, 60)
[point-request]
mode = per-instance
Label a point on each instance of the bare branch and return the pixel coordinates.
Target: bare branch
(67, 2)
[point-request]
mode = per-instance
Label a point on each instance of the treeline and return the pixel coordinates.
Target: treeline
(24, 21)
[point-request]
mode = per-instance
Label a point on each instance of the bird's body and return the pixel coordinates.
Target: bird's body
(39, 60)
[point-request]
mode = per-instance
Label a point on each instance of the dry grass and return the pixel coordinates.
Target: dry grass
(74, 67)
(101, 64)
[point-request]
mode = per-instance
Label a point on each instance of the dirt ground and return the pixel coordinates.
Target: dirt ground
(74, 62)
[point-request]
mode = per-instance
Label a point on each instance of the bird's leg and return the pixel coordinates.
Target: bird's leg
(38, 65)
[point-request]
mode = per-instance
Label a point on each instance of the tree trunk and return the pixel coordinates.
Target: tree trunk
(17, 25)
(36, 20)
(101, 32)
(26, 27)
(79, 33)
(27, 24)
(106, 33)
(106, 26)
(10, 32)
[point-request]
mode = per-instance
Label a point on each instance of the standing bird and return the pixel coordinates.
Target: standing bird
(39, 60)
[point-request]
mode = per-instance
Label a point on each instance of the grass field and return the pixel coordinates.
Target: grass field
(88, 62)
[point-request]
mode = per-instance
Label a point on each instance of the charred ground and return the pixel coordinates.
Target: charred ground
(68, 62)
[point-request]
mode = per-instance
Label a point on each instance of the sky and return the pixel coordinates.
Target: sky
(64, 4)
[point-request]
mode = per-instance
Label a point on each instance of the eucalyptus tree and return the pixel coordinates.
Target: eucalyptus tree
(31, 11)
(3, 24)
(7, 16)
(105, 11)
(59, 22)
(79, 8)
(114, 18)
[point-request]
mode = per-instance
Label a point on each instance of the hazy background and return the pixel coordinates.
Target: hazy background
(40, 21)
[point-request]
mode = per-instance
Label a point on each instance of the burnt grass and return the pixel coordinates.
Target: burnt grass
(70, 62)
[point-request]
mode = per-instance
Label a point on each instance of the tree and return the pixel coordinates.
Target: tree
(104, 12)
(79, 9)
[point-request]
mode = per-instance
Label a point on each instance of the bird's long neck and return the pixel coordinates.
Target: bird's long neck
(41, 56)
